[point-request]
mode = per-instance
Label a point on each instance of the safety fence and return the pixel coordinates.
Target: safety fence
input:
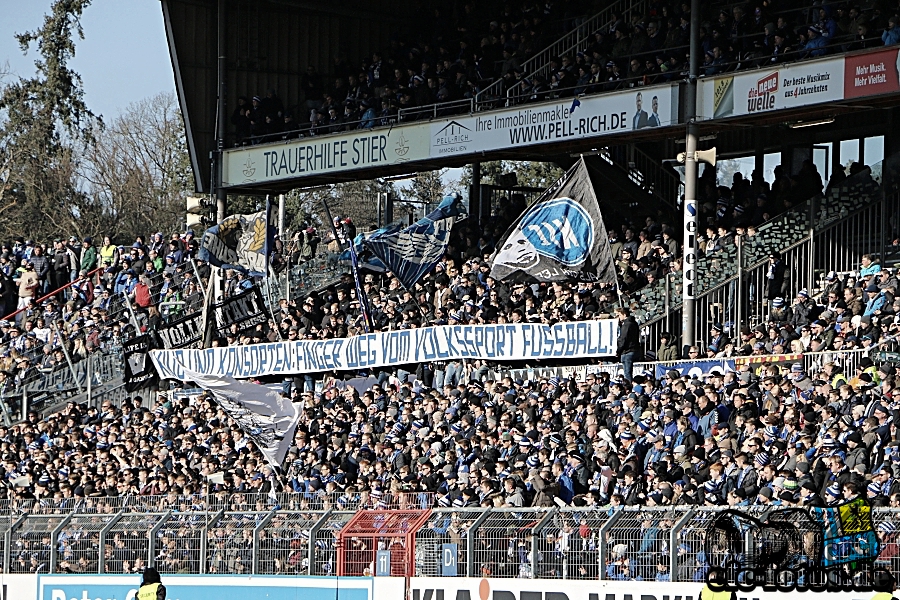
(588, 543)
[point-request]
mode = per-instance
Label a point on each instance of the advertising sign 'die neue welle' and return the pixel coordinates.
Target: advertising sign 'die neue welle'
(772, 89)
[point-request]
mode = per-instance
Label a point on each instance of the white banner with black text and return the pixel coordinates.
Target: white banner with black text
(507, 342)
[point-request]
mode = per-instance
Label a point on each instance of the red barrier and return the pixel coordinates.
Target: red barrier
(53, 293)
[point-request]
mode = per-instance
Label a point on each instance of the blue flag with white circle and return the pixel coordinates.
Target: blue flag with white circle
(560, 237)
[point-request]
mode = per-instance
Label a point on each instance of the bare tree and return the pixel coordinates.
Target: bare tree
(138, 173)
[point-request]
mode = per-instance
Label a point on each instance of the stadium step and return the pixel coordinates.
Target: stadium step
(829, 217)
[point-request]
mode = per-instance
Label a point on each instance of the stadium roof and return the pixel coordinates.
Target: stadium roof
(269, 43)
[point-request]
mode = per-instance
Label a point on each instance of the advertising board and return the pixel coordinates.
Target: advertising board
(470, 588)
(559, 120)
(221, 587)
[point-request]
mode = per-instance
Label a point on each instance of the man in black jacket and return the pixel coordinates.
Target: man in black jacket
(628, 348)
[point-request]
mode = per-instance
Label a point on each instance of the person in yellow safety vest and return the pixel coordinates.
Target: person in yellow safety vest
(883, 583)
(707, 593)
(868, 367)
(151, 587)
(715, 588)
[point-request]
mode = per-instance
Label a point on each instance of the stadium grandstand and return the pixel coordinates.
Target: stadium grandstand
(614, 465)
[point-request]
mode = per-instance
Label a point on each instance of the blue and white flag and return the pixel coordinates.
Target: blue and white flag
(365, 258)
(240, 242)
(411, 252)
(560, 237)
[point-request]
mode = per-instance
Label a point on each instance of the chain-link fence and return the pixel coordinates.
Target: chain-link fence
(179, 544)
(324, 538)
(34, 538)
(79, 540)
(634, 543)
(571, 542)
(131, 534)
(283, 545)
(447, 526)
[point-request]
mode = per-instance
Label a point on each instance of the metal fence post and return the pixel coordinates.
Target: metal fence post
(535, 531)
(673, 542)
(739, 289)
(470, 543)
(601, 556)
(65, 350)
(7, 541)
(54, 538)
(204, 538)
(311, 556)
(151, 538)
(101, 561)
(254, 567)
(883, 220)
(811, 270)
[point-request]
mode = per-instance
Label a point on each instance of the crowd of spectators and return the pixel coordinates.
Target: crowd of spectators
(463, 51)
(70, 298)
(767, 434)
(456, 51)
(652, 47)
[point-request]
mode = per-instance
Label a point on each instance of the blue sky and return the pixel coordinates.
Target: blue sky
(123, 57)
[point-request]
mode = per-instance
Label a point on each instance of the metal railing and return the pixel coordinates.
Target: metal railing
(587, 543)
(825, 233)
(433, 111)
(645, 172)
(812, 361)
(12, 316)
(539, 63)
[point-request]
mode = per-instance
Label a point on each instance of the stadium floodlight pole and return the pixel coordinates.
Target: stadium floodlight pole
(220, 116)
(688, 312)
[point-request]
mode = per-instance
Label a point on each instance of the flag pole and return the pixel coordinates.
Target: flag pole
(208, 301)
(360, 294)
(271, 309)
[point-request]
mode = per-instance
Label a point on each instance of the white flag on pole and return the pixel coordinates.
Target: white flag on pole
(262, 413)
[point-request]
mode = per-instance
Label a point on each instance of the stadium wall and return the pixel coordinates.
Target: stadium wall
(220, 587)
(229, 587)
(14, 587)
(467, 588)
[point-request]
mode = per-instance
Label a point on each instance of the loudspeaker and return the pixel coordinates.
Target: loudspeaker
(707, 156)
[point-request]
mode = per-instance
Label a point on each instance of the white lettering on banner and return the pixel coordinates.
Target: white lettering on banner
(580, 339)
(559, 120)
(469, 588)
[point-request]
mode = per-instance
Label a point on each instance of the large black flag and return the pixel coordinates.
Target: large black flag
(139, 369)
(246, 311)
(560, 237)
(184, 332)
